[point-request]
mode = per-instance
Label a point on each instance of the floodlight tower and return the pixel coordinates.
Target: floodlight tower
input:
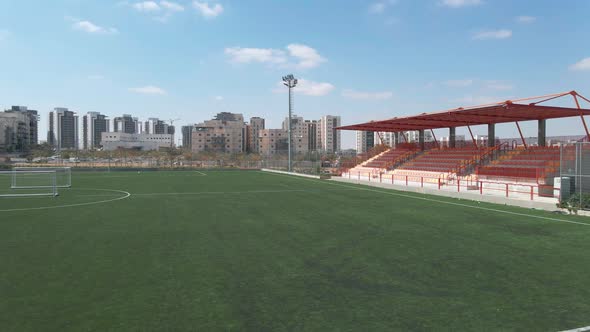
(290, 82)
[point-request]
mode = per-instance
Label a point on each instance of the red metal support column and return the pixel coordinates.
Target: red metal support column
(521, 136)
(434, 137)
(380, 137)
(472, 138)
(581, 115)
(405, 137)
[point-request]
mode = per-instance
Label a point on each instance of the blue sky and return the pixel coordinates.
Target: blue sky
(363, 60)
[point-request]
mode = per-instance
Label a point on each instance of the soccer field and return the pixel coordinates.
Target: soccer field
(254, 251)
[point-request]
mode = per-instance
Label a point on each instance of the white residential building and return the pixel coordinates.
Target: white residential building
(144, 142)
(365, 140)
(93, 125)
(63, 129)
(330, 138)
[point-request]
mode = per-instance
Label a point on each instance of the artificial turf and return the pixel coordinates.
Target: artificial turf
(252, 251)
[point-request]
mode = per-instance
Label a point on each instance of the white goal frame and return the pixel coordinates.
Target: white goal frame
(57, 170)
(51, 188)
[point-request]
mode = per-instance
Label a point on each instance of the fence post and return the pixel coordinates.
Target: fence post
(458, 185)
(380, 178)
(480, 188)
(422, 181)
(506, 189)
(406, 180)
(438, 183)
(531, 193)
(392, 178)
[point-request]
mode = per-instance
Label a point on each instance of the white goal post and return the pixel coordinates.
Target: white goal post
(63, 176)
(28, 183)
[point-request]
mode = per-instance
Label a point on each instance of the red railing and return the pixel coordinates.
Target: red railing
(462, 185)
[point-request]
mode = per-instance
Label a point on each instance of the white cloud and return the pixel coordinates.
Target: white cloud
(493, 34)
(498, 85)
(165, 9)
(380, 6)
(307, 57)
(459, 83)
(526, 19)
(296, 55)
(311, 88)
(367, 95)
(90, 27)
(4, 34)
(146, 6)
(261, 55)
(377, 8)
(476, 100)
(149, 90)
(219, 98)
(581, 65)
(206, 10)
(308, 88)
(460, 3)
(171, 6)
(95, 77)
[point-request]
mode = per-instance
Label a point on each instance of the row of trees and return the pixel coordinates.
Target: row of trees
(45, 151)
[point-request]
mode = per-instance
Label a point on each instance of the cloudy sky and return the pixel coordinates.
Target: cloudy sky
(363, 60)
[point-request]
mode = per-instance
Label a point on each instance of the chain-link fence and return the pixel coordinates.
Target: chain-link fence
(574, 179)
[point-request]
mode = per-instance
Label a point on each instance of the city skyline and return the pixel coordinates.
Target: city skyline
(361, 60)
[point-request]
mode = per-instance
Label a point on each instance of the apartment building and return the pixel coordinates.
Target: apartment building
(93, 125)
(63, 129)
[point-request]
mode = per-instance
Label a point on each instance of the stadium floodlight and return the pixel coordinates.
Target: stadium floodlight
(290, 82)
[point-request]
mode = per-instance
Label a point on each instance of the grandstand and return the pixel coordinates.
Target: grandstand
(530, 164)
(491, 165)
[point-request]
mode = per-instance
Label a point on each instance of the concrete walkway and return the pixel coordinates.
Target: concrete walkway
(541, 203)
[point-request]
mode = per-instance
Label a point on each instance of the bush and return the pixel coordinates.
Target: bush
(575, 202)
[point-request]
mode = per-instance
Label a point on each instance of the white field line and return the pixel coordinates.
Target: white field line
(242, 192)
(442, 202)
(580, 329)
(202, 174)
(126, 195)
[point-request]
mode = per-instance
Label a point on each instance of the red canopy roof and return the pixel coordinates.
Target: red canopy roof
(507, 111)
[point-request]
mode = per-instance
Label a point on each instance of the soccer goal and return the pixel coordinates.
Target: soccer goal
(28, 183)
(63, 175)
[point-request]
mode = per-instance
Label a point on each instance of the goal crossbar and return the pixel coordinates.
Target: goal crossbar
(63, 176)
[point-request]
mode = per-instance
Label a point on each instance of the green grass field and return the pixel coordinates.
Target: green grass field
(252, 251)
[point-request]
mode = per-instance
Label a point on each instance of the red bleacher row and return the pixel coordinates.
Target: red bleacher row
(532, 163)
(528, 164)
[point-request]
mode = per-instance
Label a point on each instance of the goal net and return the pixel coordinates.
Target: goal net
(28, 183)
(63, 175)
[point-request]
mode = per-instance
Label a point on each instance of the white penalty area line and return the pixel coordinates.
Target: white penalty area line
(437, 201)
(124, 193)
(202, 174)
(580, 329)
(243, 192)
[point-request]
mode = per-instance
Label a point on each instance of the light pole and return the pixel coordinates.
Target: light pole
(290, 82)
